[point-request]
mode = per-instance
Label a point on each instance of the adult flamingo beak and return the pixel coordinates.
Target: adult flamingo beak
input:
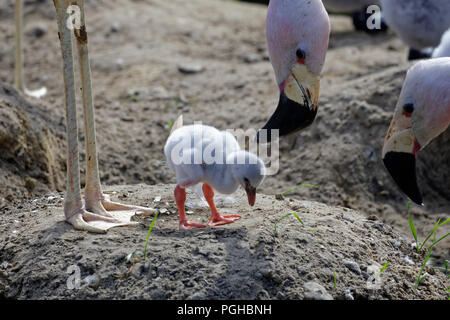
(299, 100)
(399, 156)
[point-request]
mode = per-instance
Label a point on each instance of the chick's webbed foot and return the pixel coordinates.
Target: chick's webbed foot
(187, 225)
(180, 198)
(216, 218)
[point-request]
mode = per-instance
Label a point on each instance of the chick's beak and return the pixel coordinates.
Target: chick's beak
(251, 194)
(299, 100)
(399, 156)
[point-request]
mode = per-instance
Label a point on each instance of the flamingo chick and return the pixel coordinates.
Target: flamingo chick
(422, 113)
(297, 34)
(203, 154)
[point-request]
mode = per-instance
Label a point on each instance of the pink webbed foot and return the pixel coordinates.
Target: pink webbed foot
(218, 219)
(180, 198)
(188, 225)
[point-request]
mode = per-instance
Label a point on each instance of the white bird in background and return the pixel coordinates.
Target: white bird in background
(419, 23)
(444, 48)
(348, 6)
(358, 10)
(18, 78)
(297, 34)
(203, 154)
(422, 113)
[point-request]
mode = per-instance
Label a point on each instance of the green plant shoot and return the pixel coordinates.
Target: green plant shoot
(383, 268)
(295, 215)
(148, 234)
(420, 278)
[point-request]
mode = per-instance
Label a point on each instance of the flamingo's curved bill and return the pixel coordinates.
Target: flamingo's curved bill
(299, 100)
(399, 157)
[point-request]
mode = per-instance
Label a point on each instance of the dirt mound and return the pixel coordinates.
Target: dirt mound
(32, 156)
(335, 255)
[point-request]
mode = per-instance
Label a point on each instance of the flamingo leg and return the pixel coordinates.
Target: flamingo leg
(180, 198)
(95, 200)
(18, 18)
(74, 210)
(18, 77)
(216, 218)
(73, 206)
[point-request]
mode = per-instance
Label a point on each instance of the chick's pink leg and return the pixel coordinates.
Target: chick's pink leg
(216, 218)
(180, 197)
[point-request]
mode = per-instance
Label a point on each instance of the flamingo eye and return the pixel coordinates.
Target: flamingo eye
(300, 54)
(408, 109)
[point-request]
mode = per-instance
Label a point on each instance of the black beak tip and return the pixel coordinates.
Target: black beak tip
(402, 168)
(289, 117)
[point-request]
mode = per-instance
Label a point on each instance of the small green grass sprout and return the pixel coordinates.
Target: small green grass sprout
(420, 277)
(411, 226)
(295, 215)
(170, 125)
(383, 268)
(433, 232)
(148, 234)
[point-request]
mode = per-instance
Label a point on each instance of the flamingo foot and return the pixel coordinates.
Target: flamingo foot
(218, 219)
(188, 225)
(91, 222)
(36, 93)
(102, 214)
(115, 206)
(103, 206)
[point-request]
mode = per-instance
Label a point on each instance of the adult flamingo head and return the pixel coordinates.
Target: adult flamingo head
(297, 34)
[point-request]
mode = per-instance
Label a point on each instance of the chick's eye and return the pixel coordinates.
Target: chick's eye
(408, 109)
(300, 54)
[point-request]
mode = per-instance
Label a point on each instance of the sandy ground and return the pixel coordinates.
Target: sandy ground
(335, 255)
(138, 51)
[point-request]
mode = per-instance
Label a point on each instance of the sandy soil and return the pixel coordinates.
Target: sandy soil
(245, 260)
(138, 51)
